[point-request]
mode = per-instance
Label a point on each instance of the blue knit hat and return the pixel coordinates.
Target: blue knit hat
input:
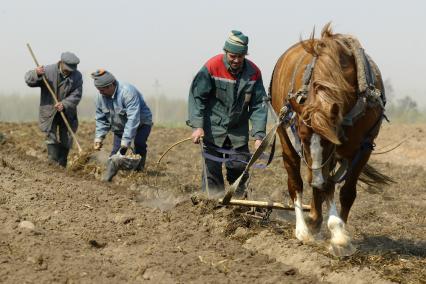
(236, 43)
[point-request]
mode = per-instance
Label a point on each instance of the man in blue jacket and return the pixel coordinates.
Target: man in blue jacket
(121, 108)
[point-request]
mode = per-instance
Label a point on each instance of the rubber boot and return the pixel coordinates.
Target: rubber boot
(141, 165)
(63, 156)
(53, 152)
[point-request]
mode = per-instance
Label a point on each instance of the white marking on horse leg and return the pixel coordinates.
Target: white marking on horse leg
(316, 155)
(302, 231)
(339, 236)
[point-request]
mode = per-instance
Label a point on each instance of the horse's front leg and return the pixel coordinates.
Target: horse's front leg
(315, 219)
(348, 191)
(340, 242)
(295, 185)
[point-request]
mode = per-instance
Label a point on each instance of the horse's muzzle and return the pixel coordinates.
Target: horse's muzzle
(318, 179)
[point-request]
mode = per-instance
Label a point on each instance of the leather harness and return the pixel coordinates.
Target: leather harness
(371, 96)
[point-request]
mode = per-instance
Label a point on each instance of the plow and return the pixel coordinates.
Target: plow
(262, 204)
(261, 210)
(258, 209)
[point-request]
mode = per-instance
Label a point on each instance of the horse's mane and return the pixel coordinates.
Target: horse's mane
(324, 113)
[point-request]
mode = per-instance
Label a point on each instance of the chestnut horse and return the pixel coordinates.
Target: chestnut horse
(331, 121)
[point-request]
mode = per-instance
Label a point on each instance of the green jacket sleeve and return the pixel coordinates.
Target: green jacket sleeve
(258, 111)
(198, 98)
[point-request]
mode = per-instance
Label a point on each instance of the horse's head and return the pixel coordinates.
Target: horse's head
(331, 95)
(319, 141)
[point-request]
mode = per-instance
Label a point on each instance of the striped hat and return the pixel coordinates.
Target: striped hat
(236, 43)
(102, 78)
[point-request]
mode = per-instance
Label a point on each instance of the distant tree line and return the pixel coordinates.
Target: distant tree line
(173, 112)
(403, 109)
(16, 107)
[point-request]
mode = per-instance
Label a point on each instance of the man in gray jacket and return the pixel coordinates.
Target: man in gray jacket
(66, 81)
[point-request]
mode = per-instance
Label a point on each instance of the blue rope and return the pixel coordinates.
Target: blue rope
(232, 159)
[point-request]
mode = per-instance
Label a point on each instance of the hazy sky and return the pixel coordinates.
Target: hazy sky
(168, 41)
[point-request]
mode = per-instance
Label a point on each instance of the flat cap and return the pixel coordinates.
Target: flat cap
(70, 60)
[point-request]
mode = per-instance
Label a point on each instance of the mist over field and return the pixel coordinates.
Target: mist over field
(20, 108)
(173, 111)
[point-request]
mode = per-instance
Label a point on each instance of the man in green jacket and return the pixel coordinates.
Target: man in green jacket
(225, 95)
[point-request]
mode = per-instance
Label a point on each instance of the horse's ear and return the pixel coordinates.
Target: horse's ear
(327, 31)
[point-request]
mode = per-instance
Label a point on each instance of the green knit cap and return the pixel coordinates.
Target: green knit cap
(236, 43)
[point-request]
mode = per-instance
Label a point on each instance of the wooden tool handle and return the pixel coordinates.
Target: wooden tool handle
(55, 99)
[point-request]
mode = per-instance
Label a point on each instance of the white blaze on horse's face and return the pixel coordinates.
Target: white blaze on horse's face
(316, 154)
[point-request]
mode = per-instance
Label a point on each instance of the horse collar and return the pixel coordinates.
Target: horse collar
(302, 93)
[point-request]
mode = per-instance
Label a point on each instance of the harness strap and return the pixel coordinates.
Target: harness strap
(356, 112)
(228, 159)
(295, 140)
(224, 151)
(372, 94)
(366, 145)
(367, 69)
(302, 93)
(341, 172)
(293, 77)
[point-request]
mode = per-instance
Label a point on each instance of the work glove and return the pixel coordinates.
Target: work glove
(97, 145)
(123, 150)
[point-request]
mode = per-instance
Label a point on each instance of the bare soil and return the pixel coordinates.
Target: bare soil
(143, 227)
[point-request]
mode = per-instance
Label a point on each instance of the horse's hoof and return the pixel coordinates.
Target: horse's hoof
(304, 236)
(339, 250)
(314, 225)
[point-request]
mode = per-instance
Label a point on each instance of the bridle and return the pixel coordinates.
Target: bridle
(323, 164)
(303, 156)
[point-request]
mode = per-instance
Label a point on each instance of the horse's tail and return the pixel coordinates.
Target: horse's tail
(373, 177)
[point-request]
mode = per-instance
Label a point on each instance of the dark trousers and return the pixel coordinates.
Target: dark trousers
(59, 141)
(234, 167)
(139, 142)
